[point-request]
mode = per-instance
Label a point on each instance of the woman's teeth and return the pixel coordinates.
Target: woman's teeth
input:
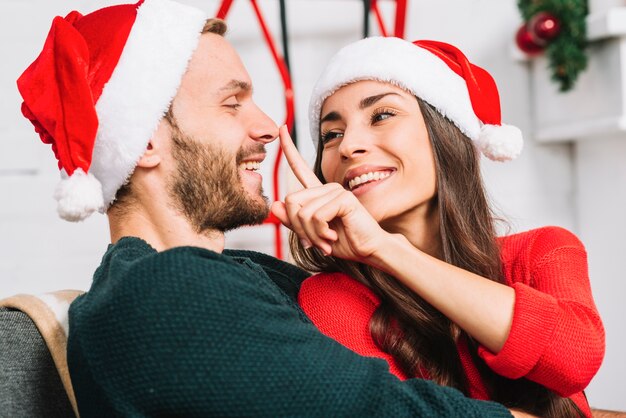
(250, 165)
(367, 177)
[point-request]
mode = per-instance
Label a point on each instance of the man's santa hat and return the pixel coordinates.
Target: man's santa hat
(99, 89)
(437, 73)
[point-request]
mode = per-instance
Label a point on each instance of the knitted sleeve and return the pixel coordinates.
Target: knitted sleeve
(556, 337)
(191, 334)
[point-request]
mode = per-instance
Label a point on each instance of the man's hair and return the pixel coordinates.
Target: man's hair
(216, 26)
(124, 198)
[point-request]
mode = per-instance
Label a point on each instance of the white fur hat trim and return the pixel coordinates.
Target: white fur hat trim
(161, 42)
(500, 143)
(420, 72)
(78, 196)
(396, 61)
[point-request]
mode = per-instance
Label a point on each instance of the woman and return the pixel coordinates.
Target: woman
(397, 222)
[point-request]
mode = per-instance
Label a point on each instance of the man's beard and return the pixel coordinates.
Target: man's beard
(207, 187)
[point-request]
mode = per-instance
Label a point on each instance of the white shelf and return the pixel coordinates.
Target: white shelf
(609, 24)
(596, 106)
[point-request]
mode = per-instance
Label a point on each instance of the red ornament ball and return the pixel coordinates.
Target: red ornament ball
(543, 27)
(526, 43)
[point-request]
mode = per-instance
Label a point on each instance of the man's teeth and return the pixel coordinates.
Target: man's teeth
(250, 165)
(367, 177)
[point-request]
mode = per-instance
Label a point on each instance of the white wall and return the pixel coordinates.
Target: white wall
(600, 208)
(39, 252)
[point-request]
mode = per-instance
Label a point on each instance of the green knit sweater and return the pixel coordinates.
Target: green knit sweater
(191, 333)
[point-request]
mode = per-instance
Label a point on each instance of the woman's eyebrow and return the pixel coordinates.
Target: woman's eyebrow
(330, 117)
(369, 101)
(363, 104)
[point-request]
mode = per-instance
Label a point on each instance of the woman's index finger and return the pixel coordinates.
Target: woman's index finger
(299, 167)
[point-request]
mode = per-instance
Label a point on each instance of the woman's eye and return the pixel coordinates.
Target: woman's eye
(382, 115)
(329, 136)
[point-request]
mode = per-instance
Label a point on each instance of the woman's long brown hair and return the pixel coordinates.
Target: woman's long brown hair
(418, 336)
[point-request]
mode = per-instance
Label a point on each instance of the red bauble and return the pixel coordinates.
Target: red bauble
(526, 43)
(543, 27)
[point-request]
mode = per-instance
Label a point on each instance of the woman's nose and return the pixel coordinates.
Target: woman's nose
(353, 144)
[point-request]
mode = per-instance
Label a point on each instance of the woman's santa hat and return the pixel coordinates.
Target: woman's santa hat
(99, 89)
(437, 73)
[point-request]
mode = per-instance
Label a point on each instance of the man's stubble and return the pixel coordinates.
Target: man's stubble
(207, 187)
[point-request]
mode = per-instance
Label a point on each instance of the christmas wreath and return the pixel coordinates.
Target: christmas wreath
(557, 27)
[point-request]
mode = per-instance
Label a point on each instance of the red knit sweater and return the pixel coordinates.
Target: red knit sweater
(556, 337)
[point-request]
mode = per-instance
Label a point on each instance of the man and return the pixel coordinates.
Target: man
(155, 125)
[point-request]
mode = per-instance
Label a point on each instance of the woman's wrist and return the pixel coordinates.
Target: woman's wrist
(393, 249)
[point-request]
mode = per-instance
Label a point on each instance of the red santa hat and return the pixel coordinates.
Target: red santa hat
(99, 89)
(437, 73)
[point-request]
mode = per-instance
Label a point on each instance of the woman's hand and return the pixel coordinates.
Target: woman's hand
(332, 219)
(327, 216)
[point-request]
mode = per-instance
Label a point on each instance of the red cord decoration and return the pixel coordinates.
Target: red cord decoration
(379, 18)
(400, 21)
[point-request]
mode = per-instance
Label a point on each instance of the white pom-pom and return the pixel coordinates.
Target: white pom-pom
(500, 143)
(78, 196)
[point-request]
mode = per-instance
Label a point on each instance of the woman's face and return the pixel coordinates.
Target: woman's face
(375, 143)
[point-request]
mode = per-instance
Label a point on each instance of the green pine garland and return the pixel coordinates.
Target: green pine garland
(566, 53)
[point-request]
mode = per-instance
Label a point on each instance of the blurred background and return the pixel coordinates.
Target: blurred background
(572, 172)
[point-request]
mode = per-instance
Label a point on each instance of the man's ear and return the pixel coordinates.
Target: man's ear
(151, 157)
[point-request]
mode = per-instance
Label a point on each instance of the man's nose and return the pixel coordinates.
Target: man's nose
(263, 128)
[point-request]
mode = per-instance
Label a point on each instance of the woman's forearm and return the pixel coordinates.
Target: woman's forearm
(481, 307)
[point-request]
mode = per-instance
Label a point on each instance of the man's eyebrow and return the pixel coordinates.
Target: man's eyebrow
(237, 85)
(369, 101)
